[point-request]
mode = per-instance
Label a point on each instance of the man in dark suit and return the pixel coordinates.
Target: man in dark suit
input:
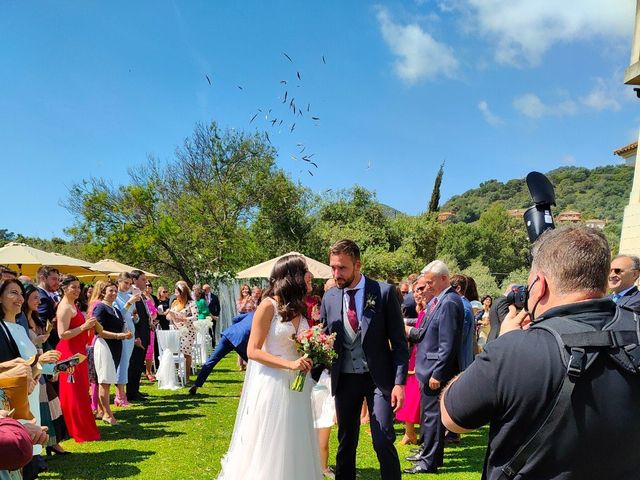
(235, 337)
(142, 338)
(372, 359)
(48, 285)
(623, 276)
(436, 361)
(408, 305)
(213, 302)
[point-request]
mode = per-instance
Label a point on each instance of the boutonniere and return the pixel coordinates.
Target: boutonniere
(371, 302)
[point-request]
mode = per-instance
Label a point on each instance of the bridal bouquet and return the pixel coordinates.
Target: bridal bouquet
(316, 345)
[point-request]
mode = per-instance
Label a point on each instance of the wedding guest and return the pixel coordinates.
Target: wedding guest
(181, 314)
(48, 284)
(322, 401)
(142, 337)
(410, 411)
(203, 307)
(245, 302)
(213, 302)
(125, 304)
(311, 301)
(256, 294)
(18, 345)
(50, 411)
(108, 346)
(94, 299)
(163, 307)
(482, 320)
(72, 330)
(149, 357)
(7, 274)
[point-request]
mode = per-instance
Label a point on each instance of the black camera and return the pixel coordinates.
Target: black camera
(518, 296)
(538, 217)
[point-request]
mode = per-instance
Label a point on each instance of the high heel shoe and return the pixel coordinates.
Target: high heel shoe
(120, 401)
(110, 420)
(51, 450)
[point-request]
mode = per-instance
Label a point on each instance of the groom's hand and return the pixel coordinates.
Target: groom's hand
(397, 397)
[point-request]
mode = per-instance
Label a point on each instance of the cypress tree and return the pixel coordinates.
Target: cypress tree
(435, 194)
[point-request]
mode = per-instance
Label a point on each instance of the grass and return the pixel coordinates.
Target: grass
(176, 436)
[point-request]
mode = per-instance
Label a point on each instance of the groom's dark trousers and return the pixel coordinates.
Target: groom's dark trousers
(384, 354)
(352, 390)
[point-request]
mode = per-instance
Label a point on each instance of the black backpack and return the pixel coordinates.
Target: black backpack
(580, 345)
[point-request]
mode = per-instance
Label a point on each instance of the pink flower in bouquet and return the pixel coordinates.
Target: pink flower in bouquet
(316, 345)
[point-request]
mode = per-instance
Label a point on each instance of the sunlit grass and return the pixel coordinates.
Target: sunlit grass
(175, 436)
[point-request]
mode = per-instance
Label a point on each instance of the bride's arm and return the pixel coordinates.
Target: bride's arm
(259, 330)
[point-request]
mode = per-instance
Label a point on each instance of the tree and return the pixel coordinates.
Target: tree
(187, 217)
(6, 236)
(485, 282)
(435, 194)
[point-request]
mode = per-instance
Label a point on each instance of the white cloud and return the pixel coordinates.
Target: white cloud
(489, 116)
(523, 30)
(608, 94)
(568, 159)
(419, 55)
(531, 106)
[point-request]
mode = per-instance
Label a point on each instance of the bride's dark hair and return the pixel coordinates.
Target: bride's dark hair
(287, 283)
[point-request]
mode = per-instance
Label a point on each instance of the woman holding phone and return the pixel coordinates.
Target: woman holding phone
(73, 332)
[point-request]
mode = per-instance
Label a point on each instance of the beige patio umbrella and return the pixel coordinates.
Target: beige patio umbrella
(319, 269)
(27, 260)
(113, 268)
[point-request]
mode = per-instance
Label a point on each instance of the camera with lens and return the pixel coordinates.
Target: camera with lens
(538, 219)
(518, 296)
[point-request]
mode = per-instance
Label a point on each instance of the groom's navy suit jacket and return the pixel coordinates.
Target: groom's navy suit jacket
(383, 339)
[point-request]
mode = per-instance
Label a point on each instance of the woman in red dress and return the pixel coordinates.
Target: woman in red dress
(73, 330)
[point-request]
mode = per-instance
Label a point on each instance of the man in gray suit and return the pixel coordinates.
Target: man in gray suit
(623, 275)
(372, 359)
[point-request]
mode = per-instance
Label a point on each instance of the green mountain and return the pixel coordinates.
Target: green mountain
(600, 193)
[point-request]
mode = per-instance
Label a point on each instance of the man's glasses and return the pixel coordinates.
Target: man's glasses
(618, 271)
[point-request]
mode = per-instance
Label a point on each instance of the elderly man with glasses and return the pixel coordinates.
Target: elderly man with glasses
(623, 275)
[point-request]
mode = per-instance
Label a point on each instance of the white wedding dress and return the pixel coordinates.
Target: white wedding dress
(273, 438)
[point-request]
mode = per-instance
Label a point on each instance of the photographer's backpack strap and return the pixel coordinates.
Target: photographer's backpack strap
(579, 344)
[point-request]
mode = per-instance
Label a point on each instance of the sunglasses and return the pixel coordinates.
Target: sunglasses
(618, 271)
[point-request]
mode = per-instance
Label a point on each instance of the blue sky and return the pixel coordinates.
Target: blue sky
(497, 88)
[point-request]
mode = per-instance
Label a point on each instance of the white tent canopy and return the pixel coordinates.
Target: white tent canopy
(114, 268)
(27, 260)
(263, 270)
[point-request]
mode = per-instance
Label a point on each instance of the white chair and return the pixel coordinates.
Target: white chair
(170, 356)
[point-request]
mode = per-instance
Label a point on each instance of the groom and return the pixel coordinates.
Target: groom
(372, 359)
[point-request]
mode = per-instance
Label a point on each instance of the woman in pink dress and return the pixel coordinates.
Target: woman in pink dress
(410, 411)
(74, 330)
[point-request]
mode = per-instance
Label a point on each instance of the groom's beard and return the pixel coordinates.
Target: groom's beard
(345, 282)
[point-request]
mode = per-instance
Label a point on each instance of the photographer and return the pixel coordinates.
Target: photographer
(599, 424)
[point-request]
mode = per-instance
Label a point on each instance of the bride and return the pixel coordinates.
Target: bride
(273, 437)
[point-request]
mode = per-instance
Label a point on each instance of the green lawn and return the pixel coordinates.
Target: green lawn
(175, 436)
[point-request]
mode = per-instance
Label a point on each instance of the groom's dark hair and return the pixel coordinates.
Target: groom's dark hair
(348, 247)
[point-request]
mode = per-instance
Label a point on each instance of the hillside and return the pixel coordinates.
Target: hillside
(602, 193)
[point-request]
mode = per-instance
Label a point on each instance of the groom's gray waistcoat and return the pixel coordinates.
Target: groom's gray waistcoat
(380, 346)
(354, 359)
